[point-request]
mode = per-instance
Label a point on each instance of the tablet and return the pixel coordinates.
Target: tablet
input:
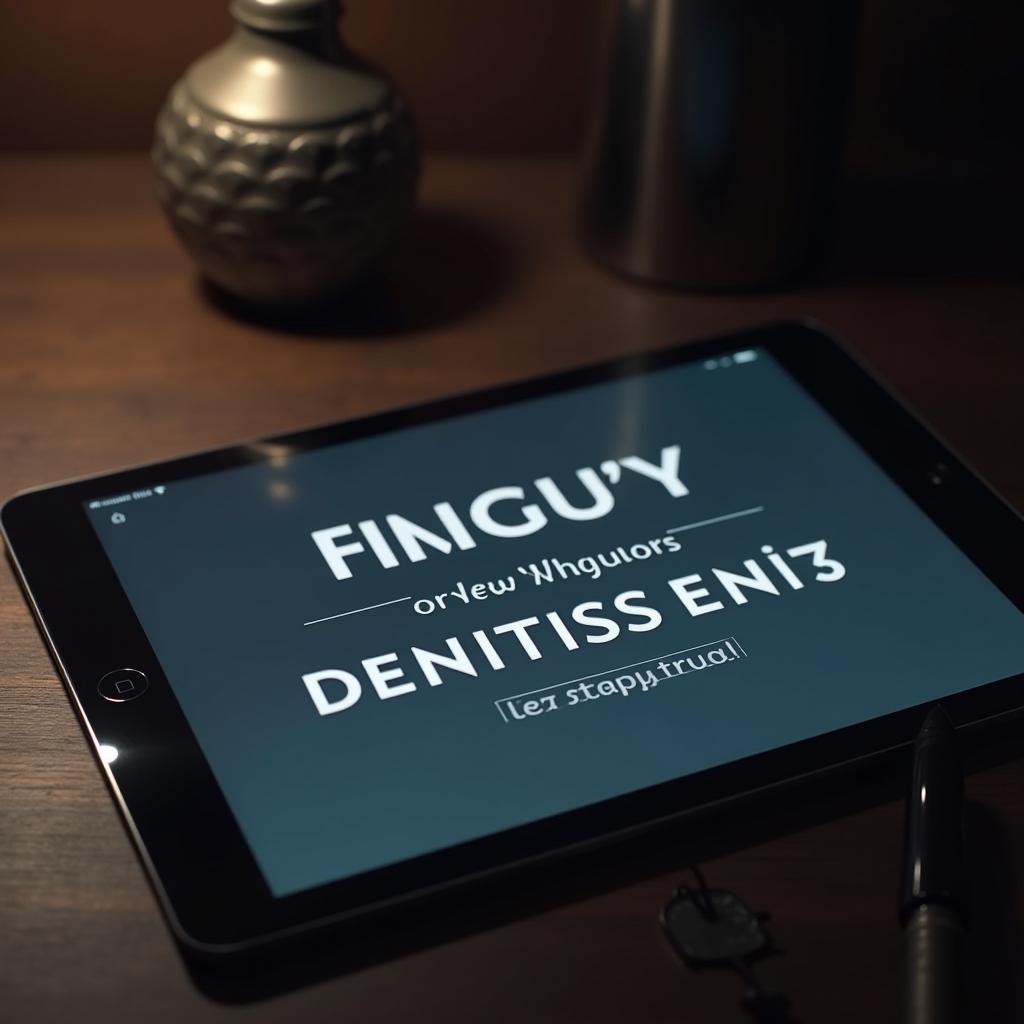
(339, 669)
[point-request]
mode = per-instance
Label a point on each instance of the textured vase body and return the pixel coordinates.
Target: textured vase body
(284, 162)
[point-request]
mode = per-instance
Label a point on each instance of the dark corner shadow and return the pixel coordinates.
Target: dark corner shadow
(927, 227)
(443, 267)
(994, 946)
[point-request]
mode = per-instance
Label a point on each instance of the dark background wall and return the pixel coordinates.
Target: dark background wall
(936, 80)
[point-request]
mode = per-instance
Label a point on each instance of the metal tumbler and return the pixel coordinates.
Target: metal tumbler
(715, 150)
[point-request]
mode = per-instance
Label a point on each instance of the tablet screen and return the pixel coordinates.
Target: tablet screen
(400, 643)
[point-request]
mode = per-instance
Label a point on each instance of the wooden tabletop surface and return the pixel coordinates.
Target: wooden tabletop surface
(111, 354)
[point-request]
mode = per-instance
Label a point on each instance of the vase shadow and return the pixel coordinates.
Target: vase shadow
(443, 267)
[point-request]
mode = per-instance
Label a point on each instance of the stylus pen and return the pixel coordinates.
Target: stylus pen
(933, 909)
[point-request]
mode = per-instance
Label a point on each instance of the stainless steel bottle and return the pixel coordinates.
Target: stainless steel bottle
(716, 145)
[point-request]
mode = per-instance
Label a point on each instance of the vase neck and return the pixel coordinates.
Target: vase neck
(320, 43)
(308, 25)
(285, 66)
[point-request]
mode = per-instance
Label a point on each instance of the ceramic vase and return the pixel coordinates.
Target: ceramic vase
(284, 162)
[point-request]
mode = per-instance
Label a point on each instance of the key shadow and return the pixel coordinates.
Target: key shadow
(443, 267)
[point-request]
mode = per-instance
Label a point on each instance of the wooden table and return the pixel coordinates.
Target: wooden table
(110, 354)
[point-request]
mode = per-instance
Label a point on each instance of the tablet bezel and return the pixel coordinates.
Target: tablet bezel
(201, 867)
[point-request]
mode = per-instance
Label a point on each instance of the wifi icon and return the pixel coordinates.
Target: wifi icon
(160, 489)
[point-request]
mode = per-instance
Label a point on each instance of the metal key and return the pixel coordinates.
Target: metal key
(714, 928)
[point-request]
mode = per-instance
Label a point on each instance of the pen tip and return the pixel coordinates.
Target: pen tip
(936, 721)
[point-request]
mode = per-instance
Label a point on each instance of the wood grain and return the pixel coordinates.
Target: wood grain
(111, 354)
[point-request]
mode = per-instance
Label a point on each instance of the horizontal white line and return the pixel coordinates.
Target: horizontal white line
(717, 519)
(356, 611)
(608, 672)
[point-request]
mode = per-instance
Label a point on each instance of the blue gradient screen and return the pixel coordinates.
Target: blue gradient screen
(397, 644)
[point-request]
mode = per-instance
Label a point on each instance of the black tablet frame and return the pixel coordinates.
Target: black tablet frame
(205, 876)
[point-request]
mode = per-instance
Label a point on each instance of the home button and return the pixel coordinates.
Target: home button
(123, 684)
